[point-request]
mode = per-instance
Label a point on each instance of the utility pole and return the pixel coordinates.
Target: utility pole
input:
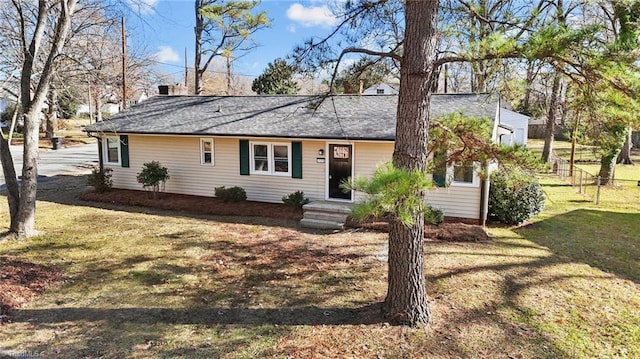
(186, 69)
(124, 66)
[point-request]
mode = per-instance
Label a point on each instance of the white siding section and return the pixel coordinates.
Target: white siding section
(181, 155)
(519, 123)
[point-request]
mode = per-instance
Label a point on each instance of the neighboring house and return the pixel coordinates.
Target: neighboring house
(518, 124)
(108, 108)
(275, 145)
(380, 89)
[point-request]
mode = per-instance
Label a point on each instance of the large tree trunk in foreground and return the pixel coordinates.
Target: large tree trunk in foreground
(406, 301)
(625, 154)
(32, 101)
(26, 222)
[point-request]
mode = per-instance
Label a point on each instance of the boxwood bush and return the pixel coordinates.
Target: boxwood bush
(514, 196)
(231, 194)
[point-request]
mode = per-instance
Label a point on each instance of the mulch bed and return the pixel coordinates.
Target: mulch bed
(195, 204)
(21, 281)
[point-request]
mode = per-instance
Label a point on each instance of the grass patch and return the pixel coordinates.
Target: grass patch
(164, 286)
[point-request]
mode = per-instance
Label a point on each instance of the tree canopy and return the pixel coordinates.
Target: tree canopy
(224, 29)
(277, 78)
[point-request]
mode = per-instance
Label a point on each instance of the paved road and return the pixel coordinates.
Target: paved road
(53, 163)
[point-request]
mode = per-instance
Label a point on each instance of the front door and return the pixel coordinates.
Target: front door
(340, 164)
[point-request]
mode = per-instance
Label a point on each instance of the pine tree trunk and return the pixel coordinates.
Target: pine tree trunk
(625, 154)
(406, 301)
(550, 129)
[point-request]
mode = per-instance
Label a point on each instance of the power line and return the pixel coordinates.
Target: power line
(191, 68)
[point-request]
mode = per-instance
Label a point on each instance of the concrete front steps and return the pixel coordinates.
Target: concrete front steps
(325, 215)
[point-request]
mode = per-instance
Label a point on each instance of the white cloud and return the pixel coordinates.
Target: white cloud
(166, 54)
(291, 29)
(142, 6)
(311, 16)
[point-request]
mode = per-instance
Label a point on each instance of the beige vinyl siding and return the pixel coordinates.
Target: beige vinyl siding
(367, 157)
(462, 202)
(181, 155)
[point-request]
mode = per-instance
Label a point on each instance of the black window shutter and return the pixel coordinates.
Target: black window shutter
(244, 157)
(124, 151)
(440, 168)
(296, 159)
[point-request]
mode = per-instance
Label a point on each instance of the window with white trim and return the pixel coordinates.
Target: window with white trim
(206, 151)
(463, 172)
(271, 158)
(111, 150)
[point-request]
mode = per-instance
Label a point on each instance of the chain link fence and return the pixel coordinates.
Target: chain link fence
(584, 182)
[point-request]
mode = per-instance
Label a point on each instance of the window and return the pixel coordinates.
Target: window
(380, 91)
(111, 149)
(463, 173)
(271, 158)
(206, 151)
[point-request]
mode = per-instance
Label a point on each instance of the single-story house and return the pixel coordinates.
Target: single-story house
(275, 145)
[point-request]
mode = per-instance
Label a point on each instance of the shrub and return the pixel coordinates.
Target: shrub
(153, 175)
(433, 215)
(101, 181)
(514, 196)
(231, 194)
(295, 199)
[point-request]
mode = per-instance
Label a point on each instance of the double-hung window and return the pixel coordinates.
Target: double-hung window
(271, 158)
(206, 151)
(111, 150)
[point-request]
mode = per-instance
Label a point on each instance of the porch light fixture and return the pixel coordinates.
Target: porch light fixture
(321, 152)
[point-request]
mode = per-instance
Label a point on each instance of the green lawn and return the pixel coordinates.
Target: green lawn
(151, 284)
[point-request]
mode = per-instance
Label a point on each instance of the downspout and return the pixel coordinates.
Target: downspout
(482, 216)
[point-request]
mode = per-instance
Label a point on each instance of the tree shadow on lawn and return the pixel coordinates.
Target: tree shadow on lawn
(606, 240)
(304, 315)
(507, 321)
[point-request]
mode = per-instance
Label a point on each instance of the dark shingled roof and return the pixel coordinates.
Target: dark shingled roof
(338, 117)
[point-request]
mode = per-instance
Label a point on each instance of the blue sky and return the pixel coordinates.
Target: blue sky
(165, 27)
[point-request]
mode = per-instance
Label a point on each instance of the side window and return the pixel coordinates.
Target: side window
(463, 172)
(111, 150)
(206, 151)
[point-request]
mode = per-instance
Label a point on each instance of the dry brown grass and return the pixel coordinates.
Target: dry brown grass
(146, 283)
